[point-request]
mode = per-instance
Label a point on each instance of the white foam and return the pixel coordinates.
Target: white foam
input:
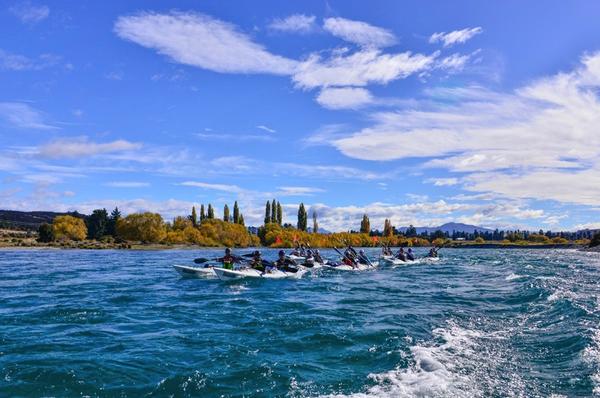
(514, 276)
(591, 354)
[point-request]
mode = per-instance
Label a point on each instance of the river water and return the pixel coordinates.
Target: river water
(124, 323)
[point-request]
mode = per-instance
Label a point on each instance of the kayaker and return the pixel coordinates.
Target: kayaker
(433, 252)
(401, 255)
(256, 262)
(410, 256)
(318, 257)
(228, 260)
(362, 257)
(285, 264)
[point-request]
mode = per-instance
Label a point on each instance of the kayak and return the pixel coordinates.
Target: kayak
(346, 267)
(229, 275)
(194, 272)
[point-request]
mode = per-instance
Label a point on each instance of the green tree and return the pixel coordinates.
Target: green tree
(202, 215)
(595, 241)
(97, 224)
(226, 213)
(279, 214)
(45, 233)
(210, 212)
(194, 217)
(268, 213)
(315, 223)
(69, 228)
(236, 213)
(111, 227)
(411, 231)
(302, 217)
(274, 211)
(365, 225)
(241, 220)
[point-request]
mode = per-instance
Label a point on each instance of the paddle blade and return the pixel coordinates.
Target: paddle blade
(201, 260)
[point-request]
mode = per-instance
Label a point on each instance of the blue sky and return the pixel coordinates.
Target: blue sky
(422, 112)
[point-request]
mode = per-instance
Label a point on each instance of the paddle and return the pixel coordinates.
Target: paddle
(204, 260)
(344, 255)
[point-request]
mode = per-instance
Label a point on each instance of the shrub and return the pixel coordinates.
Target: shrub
(69, 228)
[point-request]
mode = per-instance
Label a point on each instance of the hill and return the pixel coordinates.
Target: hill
(450, 227)
(29, 220)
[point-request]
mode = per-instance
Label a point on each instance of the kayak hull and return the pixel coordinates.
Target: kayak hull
(231, 275)
(194, 272)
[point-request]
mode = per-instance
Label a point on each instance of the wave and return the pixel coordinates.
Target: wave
(591, 355)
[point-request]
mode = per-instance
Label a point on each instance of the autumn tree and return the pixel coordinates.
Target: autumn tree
(210, 212)
(226, 214)
(241, 220)
(97, 223)
(365, 225)
(144, 227)
(69, 228)
(315, 223)
(202, 214)
(279, 214)
(388, 229)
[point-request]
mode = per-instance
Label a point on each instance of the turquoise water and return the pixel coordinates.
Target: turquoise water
(124, 323)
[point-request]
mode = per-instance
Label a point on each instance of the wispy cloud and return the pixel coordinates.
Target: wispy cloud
(29, 13)
(23, 115)
(359, 32)
(455, 37)
(344, 98)
(265, 128)
(297, 191)
(127, 184)
(17, 62)
(200, 40)
(296, 23)
(79, 147)
(210, 186)
(442, 182)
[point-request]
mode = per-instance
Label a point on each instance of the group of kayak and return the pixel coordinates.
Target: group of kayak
(292, 265)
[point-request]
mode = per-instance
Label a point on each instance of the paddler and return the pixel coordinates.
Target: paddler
(410, 255)
(285, 264)
(401, 255)
(228, 260)
(256, 262)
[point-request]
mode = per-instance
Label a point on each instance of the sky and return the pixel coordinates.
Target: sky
(420, 112)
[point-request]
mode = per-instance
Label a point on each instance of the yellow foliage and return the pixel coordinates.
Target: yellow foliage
(226, 233)
(559, 241)
(144, 227)
(538, 238)
(479, 240)
(69, 228)
(180, 223)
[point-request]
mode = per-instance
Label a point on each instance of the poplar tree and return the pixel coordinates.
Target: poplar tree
(226, 213)
(302, 217)
(194, 217)
(267, 213)
(241, 220)
(388, 230)
(202, 215)
(365, 225)
(236, 213)
(210, 213)
(315, 223)
(279, 214)
(274, 211)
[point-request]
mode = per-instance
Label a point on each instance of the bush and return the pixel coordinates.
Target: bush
(45, 233)
(595, 240)
(143, 227)
(479, 240)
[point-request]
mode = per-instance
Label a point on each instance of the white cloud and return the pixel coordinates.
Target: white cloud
(22, 115)
(81, 147)
(202, 41)
(453, 63)
(298, 23)
(455, 37)
(344, 98)
(265, 128)
(214, 187)
(297, 191)
(442, 182)
(360, 33)
(17, 62)
(359, 69)
(127, 184)
(29, 13)
(539, 141)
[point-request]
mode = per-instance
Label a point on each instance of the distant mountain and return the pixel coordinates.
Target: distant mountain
(449, 227)
(29, 220)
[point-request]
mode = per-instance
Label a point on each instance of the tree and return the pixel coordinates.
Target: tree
(365, 225)
(45, 233)
(226, 213)
(181, 223)
(111, 227)
(411, 231)
(274, 211)
(268, 213)
(144, 227)
(210, 213)
(236, 213)
(202, 215)
(69, 228)
(241, 220)
(595, 241)
(388, 230)
(315, 223)
(279, 214)
(302, 217)
(194, 217)
(97, 224)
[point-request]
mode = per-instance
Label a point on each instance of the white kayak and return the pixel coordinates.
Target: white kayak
(202, 272)
(345, 267)
(394, 261)
(230, 274)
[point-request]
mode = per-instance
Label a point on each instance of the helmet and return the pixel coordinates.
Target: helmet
(361, 251)
(228, 251)
(256, 253)
(281, 253)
